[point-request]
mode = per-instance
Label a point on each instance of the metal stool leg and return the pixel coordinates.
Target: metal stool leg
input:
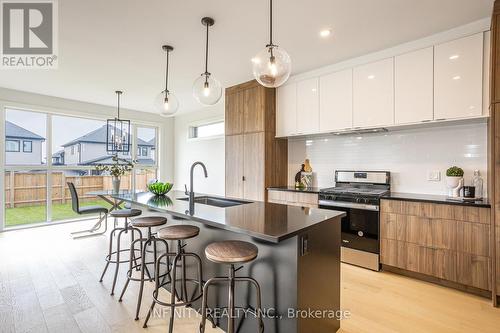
(109, 253)
(172, 293)
(205, 299)
(141, 288)
(132, 250)
(157, 286)
(230, 302)
(117, 260)
(258, 310)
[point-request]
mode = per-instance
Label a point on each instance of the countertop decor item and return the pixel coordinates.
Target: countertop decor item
(272, 66)
(159, 188)
(116, 170)
(477, 182)
(298, 178)
(166, 102)
(206, 89)
(118, 132)
(307, 166)
(454, 181)
(306, 176)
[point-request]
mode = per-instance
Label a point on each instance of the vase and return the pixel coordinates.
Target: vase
(454, 185)
(116, 184)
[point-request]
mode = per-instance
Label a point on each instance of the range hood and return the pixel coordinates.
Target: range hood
(362, 131)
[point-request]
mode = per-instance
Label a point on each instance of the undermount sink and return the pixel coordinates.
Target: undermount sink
(217, 202)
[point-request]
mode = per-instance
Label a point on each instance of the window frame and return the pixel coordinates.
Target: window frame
(31, 146)
(18, 146)
(49, 168)
(193, 128)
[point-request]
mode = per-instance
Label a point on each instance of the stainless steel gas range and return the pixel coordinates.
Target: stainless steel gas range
(358, 194)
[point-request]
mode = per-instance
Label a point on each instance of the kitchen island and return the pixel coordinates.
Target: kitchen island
(298, 266)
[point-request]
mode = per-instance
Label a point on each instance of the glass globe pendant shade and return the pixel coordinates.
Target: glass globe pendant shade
(207, 90)
(272, 66)
(166, 103)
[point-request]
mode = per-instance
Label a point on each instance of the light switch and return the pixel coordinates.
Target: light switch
(434, 176)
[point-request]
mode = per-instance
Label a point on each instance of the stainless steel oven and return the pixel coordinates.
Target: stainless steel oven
(358, 194)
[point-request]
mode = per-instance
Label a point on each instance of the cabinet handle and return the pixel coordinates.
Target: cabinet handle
(243, 178)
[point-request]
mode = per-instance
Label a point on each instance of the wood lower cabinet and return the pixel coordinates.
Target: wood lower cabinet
(303, 199)
(448, 242)
(255, 159)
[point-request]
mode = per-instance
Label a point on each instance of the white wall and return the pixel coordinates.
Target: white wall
(408, 154)
(209, 151)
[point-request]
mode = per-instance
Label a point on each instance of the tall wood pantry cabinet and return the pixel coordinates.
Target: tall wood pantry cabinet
(255, 159)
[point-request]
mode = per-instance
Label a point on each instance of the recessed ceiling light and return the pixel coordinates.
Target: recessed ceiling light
(371, 77)
(457, 77)
(455, 56)
(325, 33)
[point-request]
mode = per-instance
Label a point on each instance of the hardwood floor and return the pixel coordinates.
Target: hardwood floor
(49, 283)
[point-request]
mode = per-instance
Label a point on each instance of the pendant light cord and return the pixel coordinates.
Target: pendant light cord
(270, 22)
(206, 54)
(118, 94)
(166, 74)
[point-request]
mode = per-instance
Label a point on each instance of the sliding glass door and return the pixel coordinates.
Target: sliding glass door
(44, 152)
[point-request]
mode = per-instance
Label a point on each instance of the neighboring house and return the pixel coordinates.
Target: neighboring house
(153, 147)
(22, 147)
(58, 158)
(90, 149)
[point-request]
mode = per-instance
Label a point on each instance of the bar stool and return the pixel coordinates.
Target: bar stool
(144, 222)
(177, 233)
(231, 253)
(114, 256)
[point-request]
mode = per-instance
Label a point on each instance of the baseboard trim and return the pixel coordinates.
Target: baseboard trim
(435, 280)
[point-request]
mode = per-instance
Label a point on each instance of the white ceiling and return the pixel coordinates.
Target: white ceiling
(116, 44)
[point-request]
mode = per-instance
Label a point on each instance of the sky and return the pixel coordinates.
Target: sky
(64, 129)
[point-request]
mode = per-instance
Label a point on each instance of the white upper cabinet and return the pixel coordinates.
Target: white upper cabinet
(374, 94)
(413, 85)
(307, 106)
(458, 78)
(286, 110)
(335, 101)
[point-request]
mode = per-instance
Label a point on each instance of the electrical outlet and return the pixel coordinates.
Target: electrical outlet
(434, 176)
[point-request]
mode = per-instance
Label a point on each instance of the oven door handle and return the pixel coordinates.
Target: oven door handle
(348, 205)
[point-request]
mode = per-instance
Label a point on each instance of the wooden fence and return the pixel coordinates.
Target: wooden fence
(30, 188)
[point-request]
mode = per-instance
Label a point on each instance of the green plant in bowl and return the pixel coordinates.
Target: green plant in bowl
(159, 188)
(455, 171)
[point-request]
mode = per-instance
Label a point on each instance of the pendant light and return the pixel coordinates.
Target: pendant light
(118, 132)
(206, 89)
(166, 102)
(272, 66)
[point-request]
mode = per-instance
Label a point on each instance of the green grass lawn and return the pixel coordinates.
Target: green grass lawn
(37, 214)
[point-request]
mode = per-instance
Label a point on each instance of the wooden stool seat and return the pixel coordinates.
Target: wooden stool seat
(177, 232)
(231, 252)
(126, 212)
(149, 221)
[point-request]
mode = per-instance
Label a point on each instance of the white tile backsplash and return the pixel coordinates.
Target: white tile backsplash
(408, 154)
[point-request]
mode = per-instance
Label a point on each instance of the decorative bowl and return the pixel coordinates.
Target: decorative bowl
(159, 188)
